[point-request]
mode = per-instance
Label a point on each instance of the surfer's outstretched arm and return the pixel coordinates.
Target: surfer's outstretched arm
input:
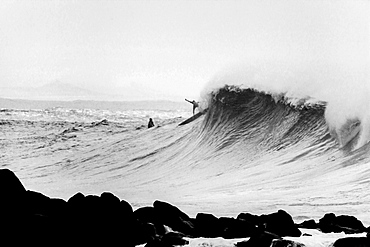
(188, 101)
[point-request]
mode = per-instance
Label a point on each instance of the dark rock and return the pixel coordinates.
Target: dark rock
(352, 242)
(308, 224)
(104, 217)
(146, 214)
(155, 243)
(76, 199)
(145, 232)
(111, 211)
(208, 226)
(109, 199)
(57, 208)
(174, 218)
(236, 228)
(31, 218)
(164, 208)
(280, 223)
(37, 203)
(10, 185)
(171, 239)
(11, 192)
(261, 239)
(37, 229)
(149, 215)
(343, 223)
(350, 222)
(285, 243)
(253, 219)
(126, 207)
(327, 223)
(174, 239)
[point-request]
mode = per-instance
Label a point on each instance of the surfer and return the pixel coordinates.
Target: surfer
(195, 104)
(150, 124)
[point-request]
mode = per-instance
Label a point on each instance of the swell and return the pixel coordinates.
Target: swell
(252, 150)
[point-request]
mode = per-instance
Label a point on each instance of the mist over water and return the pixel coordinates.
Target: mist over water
(332, 67)
(322, 53)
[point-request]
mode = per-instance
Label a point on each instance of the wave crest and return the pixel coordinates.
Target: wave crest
(250, 110)
(250, 117)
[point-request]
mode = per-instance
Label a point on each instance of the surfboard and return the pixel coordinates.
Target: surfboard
(191, 119)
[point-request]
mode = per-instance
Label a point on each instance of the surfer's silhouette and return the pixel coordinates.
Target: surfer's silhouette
(150, 124)
(195, 104)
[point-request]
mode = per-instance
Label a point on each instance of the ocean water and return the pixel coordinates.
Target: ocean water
(253, 151)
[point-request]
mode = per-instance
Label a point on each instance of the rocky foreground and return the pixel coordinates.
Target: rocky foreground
(29, 217)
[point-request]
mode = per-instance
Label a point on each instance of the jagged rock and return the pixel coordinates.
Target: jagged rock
(104, 217)
(352, 242)
(308, 224)
(285, 243)
(174, 218)
(155, 243)
(260, 239)
(10, 185)
(146, 214)
(280, 223)
(37, 203)
(208, 225)
(350, 222)
(174, 239)
(58, 208)
(343, 223)
(76, 199)
(236, 228)
(105, 220)
(145, 233)
(149, 215)
(253, 219)
(12, 192)
(170, 239)
(126, 207)
(109, 198)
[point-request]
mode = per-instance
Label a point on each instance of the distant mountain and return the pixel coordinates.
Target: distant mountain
(52, 91)
(61, 91)
(89, 104)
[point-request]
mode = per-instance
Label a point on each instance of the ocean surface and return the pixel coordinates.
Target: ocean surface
(252, 151)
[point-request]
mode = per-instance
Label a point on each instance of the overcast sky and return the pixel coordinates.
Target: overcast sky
(175, 47)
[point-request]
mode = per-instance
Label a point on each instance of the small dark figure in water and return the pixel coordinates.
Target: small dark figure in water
(150, 124)
(195, 104)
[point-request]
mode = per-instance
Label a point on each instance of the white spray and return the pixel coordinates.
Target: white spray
(324, 54)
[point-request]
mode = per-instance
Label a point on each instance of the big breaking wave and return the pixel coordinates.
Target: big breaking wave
(343, 96)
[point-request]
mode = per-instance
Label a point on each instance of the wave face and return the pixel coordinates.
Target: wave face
(257, 151)
(268, 150)
(251, 151)
(259, 122)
